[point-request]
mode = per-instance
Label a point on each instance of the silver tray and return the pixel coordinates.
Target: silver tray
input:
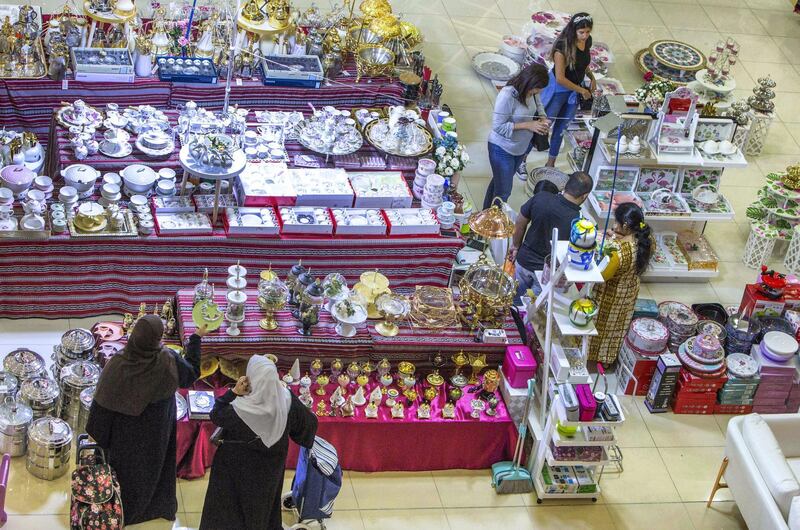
(299, 137)
(495, 66)
(377, 145)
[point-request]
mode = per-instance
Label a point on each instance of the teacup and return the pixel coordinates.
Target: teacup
(6, 196)
(112, 178)
(42, 182)
(710, 146)
(68, 194)
(166, 186)
(166, 173)
(250, 138)
(111, 147)
(35, 195)
(138, 200)
(109, 191)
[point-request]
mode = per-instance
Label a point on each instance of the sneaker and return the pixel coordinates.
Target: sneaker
(522, 172)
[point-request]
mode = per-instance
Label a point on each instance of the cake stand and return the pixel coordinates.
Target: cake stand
(345, 324)
(218, 174)
(712, 89)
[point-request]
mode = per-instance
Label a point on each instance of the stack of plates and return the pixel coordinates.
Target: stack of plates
(701, 360)
(778, 346)
(680, 320)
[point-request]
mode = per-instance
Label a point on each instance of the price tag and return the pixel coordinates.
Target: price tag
(65, 84)
(238, 81)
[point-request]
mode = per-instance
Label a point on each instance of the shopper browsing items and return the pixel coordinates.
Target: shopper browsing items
(533, 229)
(571, 55)
(133, 418)
(258, 417)
(513, 126)
(631, 244)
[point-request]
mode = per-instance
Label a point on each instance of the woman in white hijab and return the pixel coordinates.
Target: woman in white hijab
(257, 416)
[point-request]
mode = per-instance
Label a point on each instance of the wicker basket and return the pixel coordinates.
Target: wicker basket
(554, 175)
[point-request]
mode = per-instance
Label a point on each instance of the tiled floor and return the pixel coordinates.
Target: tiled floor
(670, 461)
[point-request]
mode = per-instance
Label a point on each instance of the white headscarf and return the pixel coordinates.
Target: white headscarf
(266, 408)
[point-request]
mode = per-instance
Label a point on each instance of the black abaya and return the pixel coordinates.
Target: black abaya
(141, 448)
(244, 491)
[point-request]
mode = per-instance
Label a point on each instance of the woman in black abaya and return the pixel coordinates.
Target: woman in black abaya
(133, 418)
(258, 416)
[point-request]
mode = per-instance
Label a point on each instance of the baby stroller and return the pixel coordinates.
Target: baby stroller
(317, 481)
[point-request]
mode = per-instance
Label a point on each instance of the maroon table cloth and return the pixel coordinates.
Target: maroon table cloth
(383, 443)
(74, 278)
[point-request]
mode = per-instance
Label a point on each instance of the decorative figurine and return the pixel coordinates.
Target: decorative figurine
(398, 411)
(343, 381)
(449, 411)
(347, 409)
(392, 395)
(295, 372)
(492, 409)
(376, 396)
(127, 322)
(322, 409)
(305, 383)
(371, 411)
(424, 411)
(316, 367)
(358, 398)
(322, 380)
(337, 399)
(306, 399)
(336, 367)
(460, 360)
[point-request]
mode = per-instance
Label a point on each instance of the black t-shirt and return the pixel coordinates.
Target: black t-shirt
(546, 211)
(582, 60)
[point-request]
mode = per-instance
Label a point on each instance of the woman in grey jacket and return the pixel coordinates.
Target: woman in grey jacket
(513, 125)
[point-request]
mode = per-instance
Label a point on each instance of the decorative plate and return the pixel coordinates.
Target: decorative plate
(212, 311)
(692, 364)
(715, 358)
(126, 150)
(494, 66)
(741, 365)
(677, 55)
(647, 63)
(653, 178)
(181, 406)
(155, 153)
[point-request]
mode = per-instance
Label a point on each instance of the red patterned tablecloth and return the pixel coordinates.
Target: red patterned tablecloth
(383, 443)
(73, 278)
(411, 344)
(28, 103)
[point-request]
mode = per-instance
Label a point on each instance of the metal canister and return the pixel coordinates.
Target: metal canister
(24, 364)
(76, 345)
(41, 395)
(86, 398)
(74, 378)
(49, 448)
(9, 384)
(15, 418)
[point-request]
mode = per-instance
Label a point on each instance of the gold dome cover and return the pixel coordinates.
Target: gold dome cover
(386, 26)
(375, 8)
(491, 223)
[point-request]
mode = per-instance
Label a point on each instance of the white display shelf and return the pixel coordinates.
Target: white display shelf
(579, 440)
(678, 275)
(574, 275)
(551, 461)
(737, 160)
(650, 218)
(566, 327)
(562, 298)
(675, 159)
(561, 414)
(540, 493)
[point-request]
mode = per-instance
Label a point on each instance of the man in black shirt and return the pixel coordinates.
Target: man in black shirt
(543, 212)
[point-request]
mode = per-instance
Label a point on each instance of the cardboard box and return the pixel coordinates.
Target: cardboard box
(754, 303)
(664, 382)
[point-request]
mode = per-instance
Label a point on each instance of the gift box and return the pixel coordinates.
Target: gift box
(174, 204)
(645, 307)
(586, 483)
(411, 221)
(253, 222)
(305, 220)
(664, 382)
(201, 402)
(518, 365)
(756, 304)
(380, 189)
(358, 221)
(205, 203)
(698, 252)
(183, 224)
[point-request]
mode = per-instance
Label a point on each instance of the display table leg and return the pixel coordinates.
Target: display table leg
(90, 35)
(216, 202)
(183, 182)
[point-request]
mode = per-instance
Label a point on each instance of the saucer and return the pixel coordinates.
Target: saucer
(166, 151)
(125, 150)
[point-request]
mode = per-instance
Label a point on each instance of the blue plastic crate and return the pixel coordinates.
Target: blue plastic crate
(186, 69)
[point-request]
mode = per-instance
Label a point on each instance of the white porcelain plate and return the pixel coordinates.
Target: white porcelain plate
(494, 66)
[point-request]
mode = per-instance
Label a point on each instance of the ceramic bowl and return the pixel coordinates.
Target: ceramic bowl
(35, 195)
(138, 201)
(42, 182)
(112, 178)
(727, 148)
(139, 178)
(166, 186)
(80, 176)
(166, 173)
(710, 146)
(68, 194)
(110, 191)
(17, 178)
(6, 196)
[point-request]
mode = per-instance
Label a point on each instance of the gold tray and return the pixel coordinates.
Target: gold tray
(376, 145)
(128, 229)
(40, 50)
(30, 235)
(212, 325)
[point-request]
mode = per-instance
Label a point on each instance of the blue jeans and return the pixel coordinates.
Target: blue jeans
(504, 165)
(559, 107)
(526, 279)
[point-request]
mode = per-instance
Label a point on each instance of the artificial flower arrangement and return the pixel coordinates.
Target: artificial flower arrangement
(653, 91)
(450, 156)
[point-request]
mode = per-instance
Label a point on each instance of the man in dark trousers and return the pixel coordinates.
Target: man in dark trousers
(534, 227)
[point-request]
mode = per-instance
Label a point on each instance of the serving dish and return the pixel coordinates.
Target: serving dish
(495, 66)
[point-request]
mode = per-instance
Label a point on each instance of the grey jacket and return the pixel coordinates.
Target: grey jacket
(508, 111)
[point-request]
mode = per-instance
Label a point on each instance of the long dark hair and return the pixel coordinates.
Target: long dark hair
(529, 78)
(566, 42)
(629, 215)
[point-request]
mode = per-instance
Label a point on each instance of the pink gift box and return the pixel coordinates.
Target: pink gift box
(519, 365)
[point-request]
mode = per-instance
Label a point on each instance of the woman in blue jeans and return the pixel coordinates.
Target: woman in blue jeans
(513, 125)
(571, 55)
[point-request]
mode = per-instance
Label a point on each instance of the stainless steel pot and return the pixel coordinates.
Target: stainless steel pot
(9, 384)
(41, 395)
(24, 364)
(76, 345)
(86, 398)
(15, 418)
(74, 378)
(49, 448)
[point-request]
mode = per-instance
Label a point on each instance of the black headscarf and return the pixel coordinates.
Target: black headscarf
(142, 373)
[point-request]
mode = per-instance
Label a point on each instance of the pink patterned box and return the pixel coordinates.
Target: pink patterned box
(519, 365)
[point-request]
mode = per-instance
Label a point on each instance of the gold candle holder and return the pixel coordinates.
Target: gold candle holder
(477, 363)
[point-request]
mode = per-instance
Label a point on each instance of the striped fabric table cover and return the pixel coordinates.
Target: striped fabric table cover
(71, 278)
(411, 344)
(28, 103)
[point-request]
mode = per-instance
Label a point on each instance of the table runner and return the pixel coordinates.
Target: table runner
(73, 278)
(383, 443)
(417, 345)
